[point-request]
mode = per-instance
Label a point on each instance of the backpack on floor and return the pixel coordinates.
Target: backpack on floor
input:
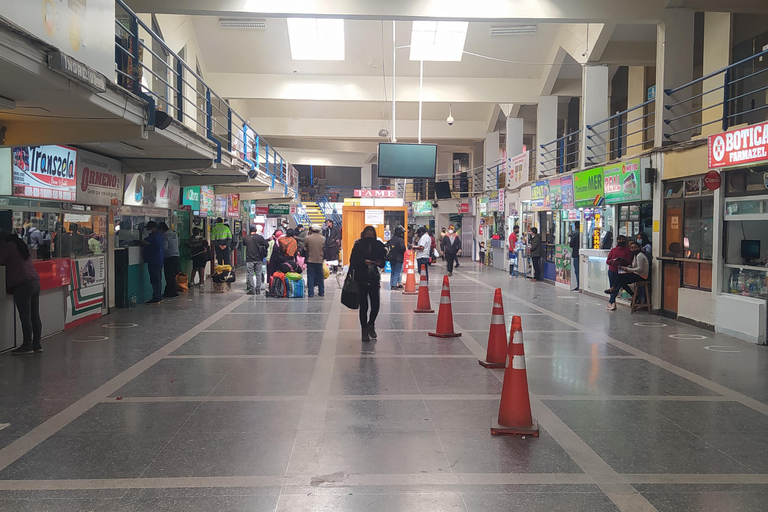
(277, 286)
(295, 289)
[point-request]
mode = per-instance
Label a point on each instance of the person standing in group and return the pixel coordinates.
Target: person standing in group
(153, 257)
(637, 271)
(332, 243)
(574, 242)
(537, 251)
(423, 250)
(366, 262)
(171, 260)
(619, 256)
(451, 248)
(301, 237)
(255, 252)
(314, 243)
(23, 282)
(396, 257)
(200, 253)
(645, 242)
(440, 241)
(512, 249)
(271, 246)
(284, 253)
(222, 240)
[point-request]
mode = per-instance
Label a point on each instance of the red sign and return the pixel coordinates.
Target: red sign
(739, 147)
(233, 205)
(53, 273)
(262, 210)
(712, 180)
(377, 194)
(464, 208)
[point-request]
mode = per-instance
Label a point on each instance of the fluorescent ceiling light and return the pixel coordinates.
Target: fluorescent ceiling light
(249, 23)
(438, 40)
(513, 30)
(316, 39)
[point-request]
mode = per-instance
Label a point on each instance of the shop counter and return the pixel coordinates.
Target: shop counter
(131, 277)
(593, 276)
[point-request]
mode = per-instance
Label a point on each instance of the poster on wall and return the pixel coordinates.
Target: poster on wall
(233, 205)
(374, 217)
(88, 272)
(563, 264)
(157, 189)
(100, 179)
(6, 180)
(422, 207)
(540, 199)
(83, 305)
(191, 198)
(45, 172)
(207, 200)
(622, 182)
(588, 188)
(84, 29)
(517, 170)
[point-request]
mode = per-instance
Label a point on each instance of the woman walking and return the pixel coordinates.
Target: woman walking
(366, 262)
(22, 281)
(451, 249)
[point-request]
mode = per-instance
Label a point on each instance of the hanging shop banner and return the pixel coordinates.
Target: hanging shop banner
(517, 170)
(88, 272)
(191, 198)
(561, 193)
(588, 188)
(502, 200)
(100, 179)
(83, 29)
(374, 217)
(464, 208)
(738, 147)
(84, 305)
(622, 182)
(279, 209)
(540, 196)
(6, 180)
(45, 172)
(377, 194)
(207, 201)
(563, 264)
(261, 210)
(233, 205)
(220, 208)
(157, 190)
(422, 208)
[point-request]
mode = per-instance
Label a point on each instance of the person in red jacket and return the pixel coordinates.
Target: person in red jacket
(620, 256)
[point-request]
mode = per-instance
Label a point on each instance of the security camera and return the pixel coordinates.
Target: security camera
(450, 120)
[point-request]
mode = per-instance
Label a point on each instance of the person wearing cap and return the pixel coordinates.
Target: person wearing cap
(255, 252)
(315, 243)
(153, 257)
(221, 236)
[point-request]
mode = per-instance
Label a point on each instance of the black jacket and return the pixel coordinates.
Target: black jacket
(451, 248)
(574, 243)
(396, 249)
(255, 247)
(367, 249)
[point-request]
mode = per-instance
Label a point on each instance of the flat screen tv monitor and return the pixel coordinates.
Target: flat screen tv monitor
(407, 161)
(750, 250)
(442, 190)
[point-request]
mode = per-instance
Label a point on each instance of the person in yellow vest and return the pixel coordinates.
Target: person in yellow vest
(221, 236)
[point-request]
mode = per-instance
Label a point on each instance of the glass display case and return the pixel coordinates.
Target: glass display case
(746, 281)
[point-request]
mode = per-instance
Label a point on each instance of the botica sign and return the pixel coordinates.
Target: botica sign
(738, 147)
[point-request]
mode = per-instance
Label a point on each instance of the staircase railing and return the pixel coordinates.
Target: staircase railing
(328, 211)
(560, 155)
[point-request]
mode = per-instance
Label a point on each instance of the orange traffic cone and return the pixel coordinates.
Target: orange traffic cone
(515, 416)
(410, 282)
(423, 305)
(445, 314)
(496, 355)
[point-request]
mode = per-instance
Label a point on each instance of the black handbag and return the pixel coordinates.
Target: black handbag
(350, 292)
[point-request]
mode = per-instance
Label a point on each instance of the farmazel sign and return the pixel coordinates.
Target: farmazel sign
(738, 147)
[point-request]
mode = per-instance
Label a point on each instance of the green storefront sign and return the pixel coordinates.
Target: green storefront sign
(192, 198)
(588, 188)
(622, 182)
(279, 209)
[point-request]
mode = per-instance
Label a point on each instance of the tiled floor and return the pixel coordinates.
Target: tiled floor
(223, 402)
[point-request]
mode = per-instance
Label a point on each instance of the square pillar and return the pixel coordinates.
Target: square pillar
(514, 136)
(717, 55)
(546, 132)
(636, 95)
(674, 67)
(595, 104)
(492, 158)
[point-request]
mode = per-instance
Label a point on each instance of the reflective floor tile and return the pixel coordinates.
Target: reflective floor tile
(372, 376)
(178, 377)
(611, 415)
(252, 343)
(245, 417)
(377, 415)
(266, 377)
(462, 415)
(59, 505)
(453, 376)
(201, 503)
(271, 322)
(133, 418)
(442, 502)
(539, 502)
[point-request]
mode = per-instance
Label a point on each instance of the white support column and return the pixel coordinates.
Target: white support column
(717, 55)
(492, 157)
(674, 67)
(366, 176)
(594, 108)
(636, 95)
(514, 136)
(546, 131)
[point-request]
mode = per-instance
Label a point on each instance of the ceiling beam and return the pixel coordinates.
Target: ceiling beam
(617, 11)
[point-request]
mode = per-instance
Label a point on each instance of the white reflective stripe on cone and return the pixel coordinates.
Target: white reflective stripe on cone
(496, 305)
(497, 319)
(446, 289)
(517, 337)
(445, 300)
(518, 362)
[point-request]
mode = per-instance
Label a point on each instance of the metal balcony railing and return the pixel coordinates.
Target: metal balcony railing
(561, 155)
(622, 133)
(742, 91)
(146, 66)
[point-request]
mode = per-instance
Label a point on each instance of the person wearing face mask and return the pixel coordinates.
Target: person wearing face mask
(637, 271)
(451, 248)
(619, 256)
(366, 262)
(644, 241)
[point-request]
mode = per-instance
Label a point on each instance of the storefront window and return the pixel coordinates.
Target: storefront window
(688, 221)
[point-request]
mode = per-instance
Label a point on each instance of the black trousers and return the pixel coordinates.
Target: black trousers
(171, 267)
(369, 291)
(223, 256)
(450, 260)
(27, 299)
(536, 260)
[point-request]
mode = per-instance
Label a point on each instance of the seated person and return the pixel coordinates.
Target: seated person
(638, 271)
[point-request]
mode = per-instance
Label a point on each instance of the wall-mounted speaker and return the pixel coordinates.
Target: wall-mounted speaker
(162, 120)
(650, 175)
